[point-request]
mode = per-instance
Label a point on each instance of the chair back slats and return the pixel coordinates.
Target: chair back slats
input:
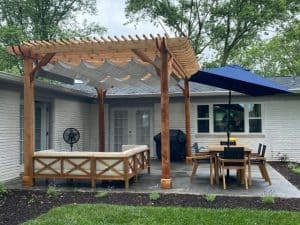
(263, 150)
(259, 148)
(234, 153)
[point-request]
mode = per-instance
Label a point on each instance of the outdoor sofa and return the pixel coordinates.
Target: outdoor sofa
(92, 165)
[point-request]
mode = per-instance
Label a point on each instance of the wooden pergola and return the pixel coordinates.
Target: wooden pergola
(176, 57)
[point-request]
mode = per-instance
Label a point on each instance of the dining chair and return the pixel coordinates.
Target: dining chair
(234, 158)
(260, 161)
(254, 154)
(201, 158)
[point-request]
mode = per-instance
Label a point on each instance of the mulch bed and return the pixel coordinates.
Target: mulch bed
(22, 205)
(282, 168)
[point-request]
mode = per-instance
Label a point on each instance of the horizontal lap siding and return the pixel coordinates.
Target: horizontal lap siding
(9, 134)
(68, 113)
(281, 122)
(282, 128)
(94, 127)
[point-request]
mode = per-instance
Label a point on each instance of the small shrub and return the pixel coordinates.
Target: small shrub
(268, 199)
(102, 194)
(154, 196)
(292, 165)
(210, 197)
(52, 191)
(296, 170)
(3, 191)
(31, 201)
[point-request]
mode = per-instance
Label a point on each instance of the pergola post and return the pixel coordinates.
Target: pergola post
(166, 181)
(29, 131)
(187, 117)
(101, 121)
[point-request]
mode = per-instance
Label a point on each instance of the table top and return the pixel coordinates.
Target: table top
(220, 148)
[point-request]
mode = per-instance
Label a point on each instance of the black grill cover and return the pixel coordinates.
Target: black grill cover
(177, 145)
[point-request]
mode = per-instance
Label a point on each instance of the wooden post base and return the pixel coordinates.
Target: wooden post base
(166, 183)
(27, 181)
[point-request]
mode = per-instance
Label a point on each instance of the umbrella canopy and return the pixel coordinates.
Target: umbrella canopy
(239, 79)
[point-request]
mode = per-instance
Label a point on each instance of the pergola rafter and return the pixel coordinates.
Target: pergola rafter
(176, 57)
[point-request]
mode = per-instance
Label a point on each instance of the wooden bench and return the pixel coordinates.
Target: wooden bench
(92, 165)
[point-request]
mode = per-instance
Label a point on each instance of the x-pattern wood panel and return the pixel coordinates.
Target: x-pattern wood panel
(47, 166)
(76, 167)
(109, 167)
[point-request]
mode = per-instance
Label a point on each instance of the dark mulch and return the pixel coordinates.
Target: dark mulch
(282, 168)
(22, 205)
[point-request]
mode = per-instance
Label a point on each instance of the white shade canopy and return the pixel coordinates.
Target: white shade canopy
(108, 75)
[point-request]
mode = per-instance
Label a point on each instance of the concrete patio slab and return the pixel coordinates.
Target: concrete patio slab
(180, 173)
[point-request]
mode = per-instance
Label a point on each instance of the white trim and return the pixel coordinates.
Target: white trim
(246, 120)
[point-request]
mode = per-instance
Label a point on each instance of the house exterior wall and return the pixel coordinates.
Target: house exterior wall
(94, 127)
(71, 113)
(9, 134)
(280, 119)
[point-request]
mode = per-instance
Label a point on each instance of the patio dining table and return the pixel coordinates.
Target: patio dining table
(215, 149)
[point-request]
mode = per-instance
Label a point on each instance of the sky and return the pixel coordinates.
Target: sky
(111, 15)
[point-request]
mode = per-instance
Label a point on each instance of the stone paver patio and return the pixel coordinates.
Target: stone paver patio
(180, 173)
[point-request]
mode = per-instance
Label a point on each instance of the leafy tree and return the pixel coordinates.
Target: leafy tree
(220, 26)
(277, 56)
(41, 20)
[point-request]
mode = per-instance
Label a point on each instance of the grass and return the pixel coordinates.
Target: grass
(88, 214)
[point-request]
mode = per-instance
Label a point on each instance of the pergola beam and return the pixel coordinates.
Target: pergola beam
(166, 181)
(29, 131)
(101, 120)
(176, 56)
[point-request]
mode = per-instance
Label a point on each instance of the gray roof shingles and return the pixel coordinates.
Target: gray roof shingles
(290, 82)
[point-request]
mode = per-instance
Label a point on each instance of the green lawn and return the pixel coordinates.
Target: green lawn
(86, 214)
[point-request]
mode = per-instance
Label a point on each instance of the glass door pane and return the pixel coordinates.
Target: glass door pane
(38, 127)
(120, 129)
(142, 127)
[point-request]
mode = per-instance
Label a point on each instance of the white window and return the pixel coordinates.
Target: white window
(241, 115)
(255, 118)
(203, 118)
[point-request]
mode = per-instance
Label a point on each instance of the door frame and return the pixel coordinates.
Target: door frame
(131, 119)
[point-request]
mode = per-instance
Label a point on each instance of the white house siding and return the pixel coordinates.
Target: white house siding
(282, 128)
(9, 134)
(94, 127)
(71, 113)
(281, 124)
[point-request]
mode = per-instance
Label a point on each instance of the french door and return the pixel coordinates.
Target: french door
(131, 126)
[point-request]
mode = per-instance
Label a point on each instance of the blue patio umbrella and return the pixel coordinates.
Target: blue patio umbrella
(239, 79)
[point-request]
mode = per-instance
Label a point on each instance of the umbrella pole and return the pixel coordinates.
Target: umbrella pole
(228, 119)
(228, 126)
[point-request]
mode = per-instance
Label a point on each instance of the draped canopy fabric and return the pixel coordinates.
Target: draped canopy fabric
(108, 74)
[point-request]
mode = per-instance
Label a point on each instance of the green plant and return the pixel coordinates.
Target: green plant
(268, 199)
(292, 165)
(296, 169)
(3, 191)
(52, 191)
(154, 196)
(101, 194)
(210, 197)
